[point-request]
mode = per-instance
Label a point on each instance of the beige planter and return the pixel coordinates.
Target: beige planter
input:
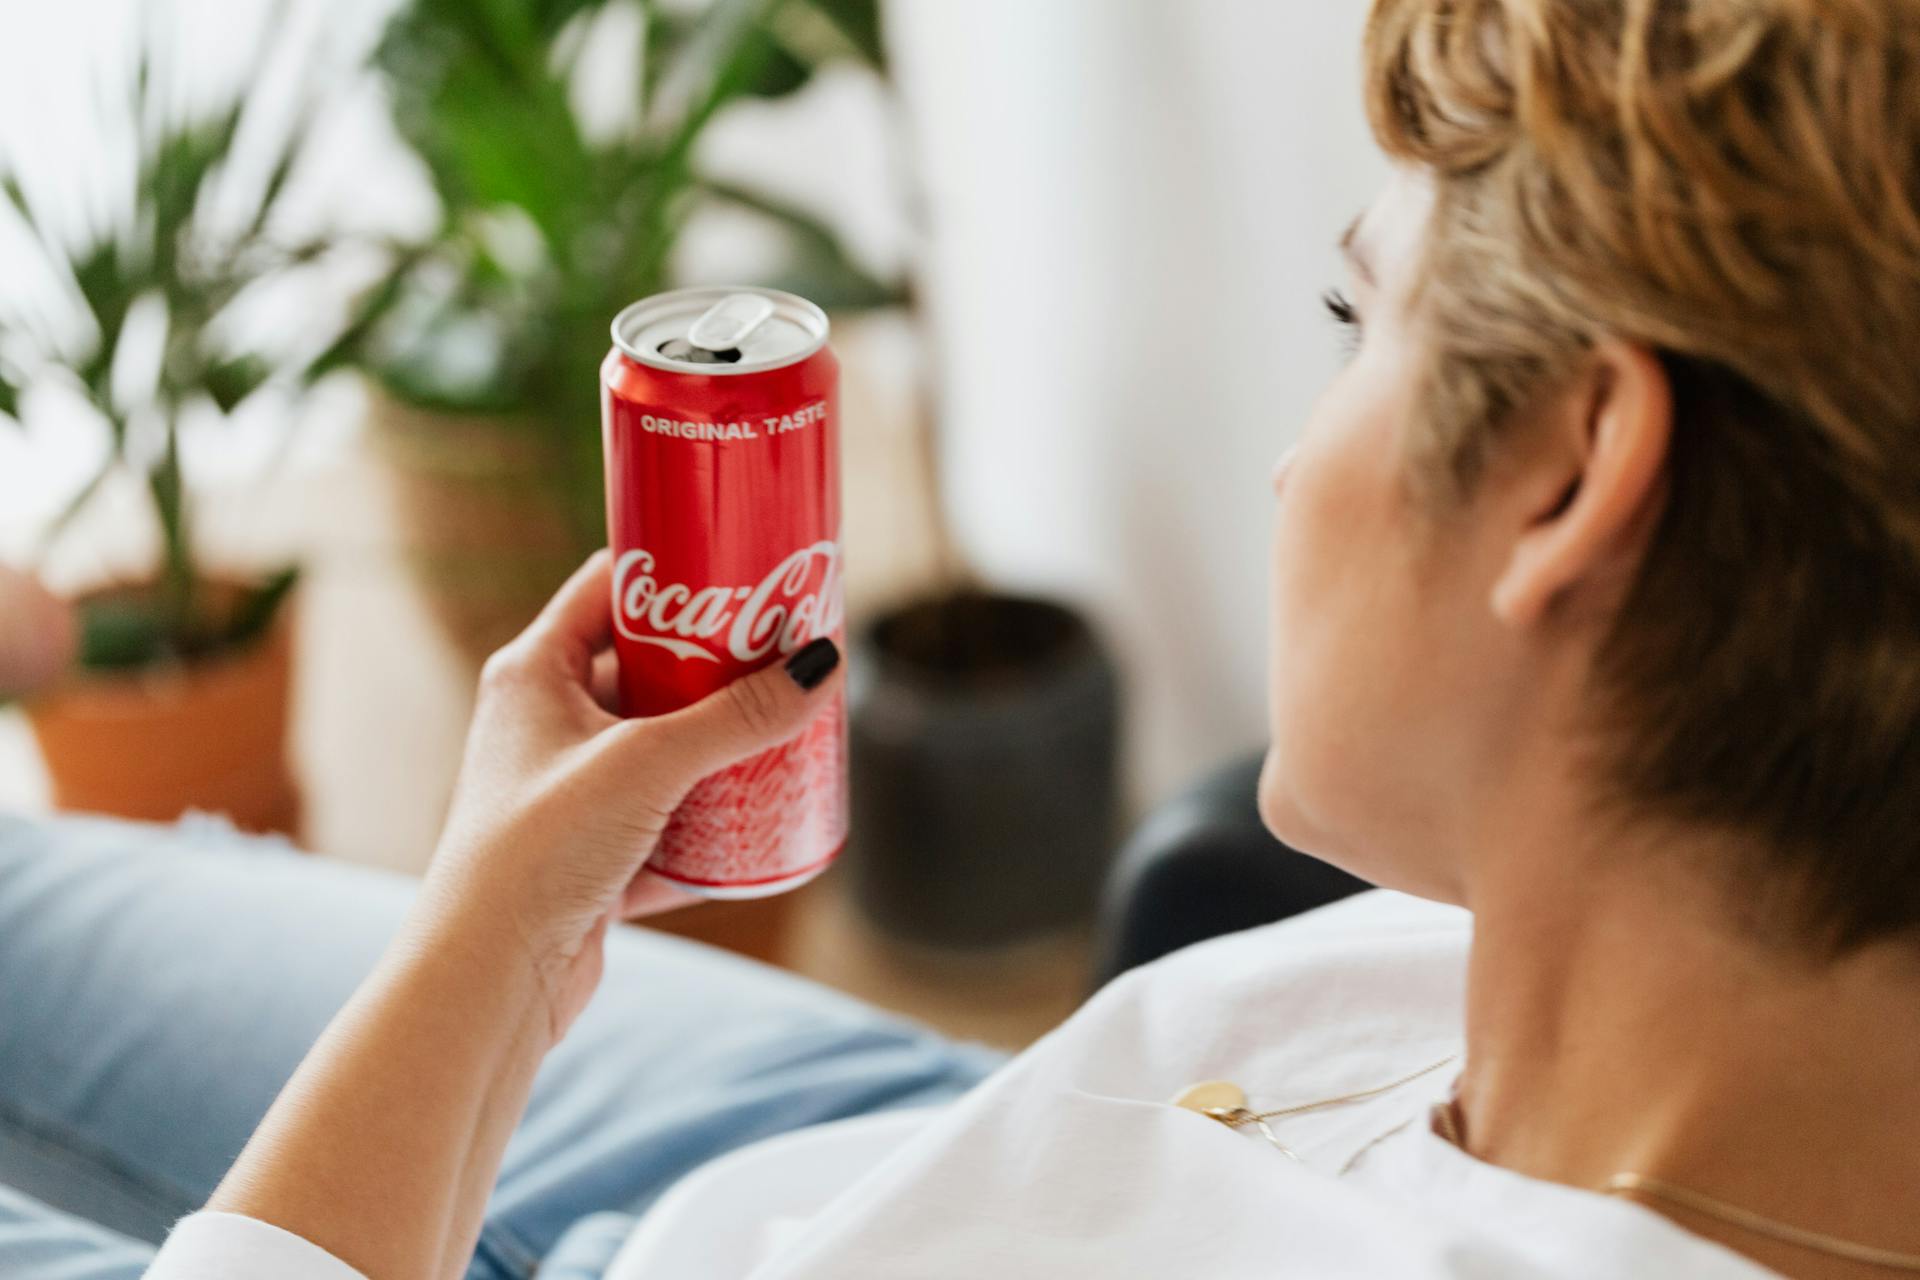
(209, 736)
(482, 517)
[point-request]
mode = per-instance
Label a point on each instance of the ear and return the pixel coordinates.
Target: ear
(1609, 456)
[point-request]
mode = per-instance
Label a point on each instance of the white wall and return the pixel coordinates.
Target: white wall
(1136, 203)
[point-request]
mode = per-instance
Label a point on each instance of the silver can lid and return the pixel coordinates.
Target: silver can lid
(720, 330)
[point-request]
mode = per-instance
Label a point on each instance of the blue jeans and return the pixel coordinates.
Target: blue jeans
(159, 984)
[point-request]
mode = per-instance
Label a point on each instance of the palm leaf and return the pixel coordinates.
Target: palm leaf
(9, 397)
(230, 381)
(696, 49)
(859, 22)
(17, 197)
(259, 607)
(492, 125)
(820, 268)
(350, 345)
(715, 62)
(75, 505)
(109, 284)
(118, 635)
(663, 36)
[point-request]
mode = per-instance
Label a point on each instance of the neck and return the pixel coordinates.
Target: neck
(1618, 1021)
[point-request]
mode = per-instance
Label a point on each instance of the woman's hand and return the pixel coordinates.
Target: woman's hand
(560, 802)
(38, 635)
(384, 1146)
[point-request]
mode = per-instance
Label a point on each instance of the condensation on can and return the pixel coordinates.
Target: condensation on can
(720, 410)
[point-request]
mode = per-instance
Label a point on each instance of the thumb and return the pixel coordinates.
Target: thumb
(753, 713)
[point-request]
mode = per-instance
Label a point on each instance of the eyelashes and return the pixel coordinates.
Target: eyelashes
(1346, 315)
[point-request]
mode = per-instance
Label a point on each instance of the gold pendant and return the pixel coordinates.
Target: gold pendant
(1226, 1102)
(1216, 1098)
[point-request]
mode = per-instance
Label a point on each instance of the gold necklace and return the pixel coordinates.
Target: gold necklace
(1627, 1183)
(1226, 1102)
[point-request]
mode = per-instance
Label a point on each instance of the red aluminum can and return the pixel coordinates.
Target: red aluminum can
(721, 416)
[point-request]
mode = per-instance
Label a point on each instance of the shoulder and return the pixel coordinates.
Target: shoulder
(1371, 980)
(1377, 929)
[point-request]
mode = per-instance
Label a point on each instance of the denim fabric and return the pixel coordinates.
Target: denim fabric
(159, 984)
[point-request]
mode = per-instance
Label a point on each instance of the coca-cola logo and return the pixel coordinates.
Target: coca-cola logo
(797, 600)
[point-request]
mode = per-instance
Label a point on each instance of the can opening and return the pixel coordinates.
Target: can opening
(719, 331)
(682, 350)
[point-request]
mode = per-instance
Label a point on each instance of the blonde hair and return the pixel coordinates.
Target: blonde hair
(1736, 185)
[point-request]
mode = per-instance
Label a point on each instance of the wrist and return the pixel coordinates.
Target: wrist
(475, 961)
(519, 900)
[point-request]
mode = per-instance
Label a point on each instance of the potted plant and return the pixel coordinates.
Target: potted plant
(488, 367)
(181, 697)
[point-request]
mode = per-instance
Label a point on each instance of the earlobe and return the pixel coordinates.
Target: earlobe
(1617, 433)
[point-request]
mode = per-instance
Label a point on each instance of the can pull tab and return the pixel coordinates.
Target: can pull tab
(730, 322)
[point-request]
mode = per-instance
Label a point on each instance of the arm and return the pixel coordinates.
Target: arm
(383, 1147)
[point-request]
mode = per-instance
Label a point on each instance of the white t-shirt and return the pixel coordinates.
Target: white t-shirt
(1070, 1162)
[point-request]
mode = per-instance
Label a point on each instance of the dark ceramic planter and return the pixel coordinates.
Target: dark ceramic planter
(985, 790)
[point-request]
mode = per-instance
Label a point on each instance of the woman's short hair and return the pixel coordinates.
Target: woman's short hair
(1737, 187)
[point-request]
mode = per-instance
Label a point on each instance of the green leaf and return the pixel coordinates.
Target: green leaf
(109, 284)
(179, 582)
(831, 281)
(258, 608)
(772, 69)
(17, 197)
(665, 36)
(719, 59)
(551, 17)
(128, 631)
(291, 150)
(174, 173)
(503, 32)
(231, 381)
(9, 398)
(819, 268)
(76, 504)
(121, 633)
(349, 347)
(49, 243)
(859, 22)
(491, 124)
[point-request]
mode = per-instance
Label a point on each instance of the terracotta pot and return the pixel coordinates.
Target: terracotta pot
(208, 736)
(482, 511)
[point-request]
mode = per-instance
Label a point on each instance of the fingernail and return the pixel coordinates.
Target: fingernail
(813, 663)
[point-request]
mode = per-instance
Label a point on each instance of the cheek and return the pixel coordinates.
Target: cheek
(1339, 620)
(1334, 522)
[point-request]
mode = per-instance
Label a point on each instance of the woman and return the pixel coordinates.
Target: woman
(1598, 573)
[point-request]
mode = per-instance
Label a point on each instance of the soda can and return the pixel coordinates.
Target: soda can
(721, 416)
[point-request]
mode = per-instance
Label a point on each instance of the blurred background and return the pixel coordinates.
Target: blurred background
(301, 306)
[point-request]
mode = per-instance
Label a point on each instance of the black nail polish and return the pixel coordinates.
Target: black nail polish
(813, 663)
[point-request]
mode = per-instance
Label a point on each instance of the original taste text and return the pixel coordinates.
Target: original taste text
(741, 429)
